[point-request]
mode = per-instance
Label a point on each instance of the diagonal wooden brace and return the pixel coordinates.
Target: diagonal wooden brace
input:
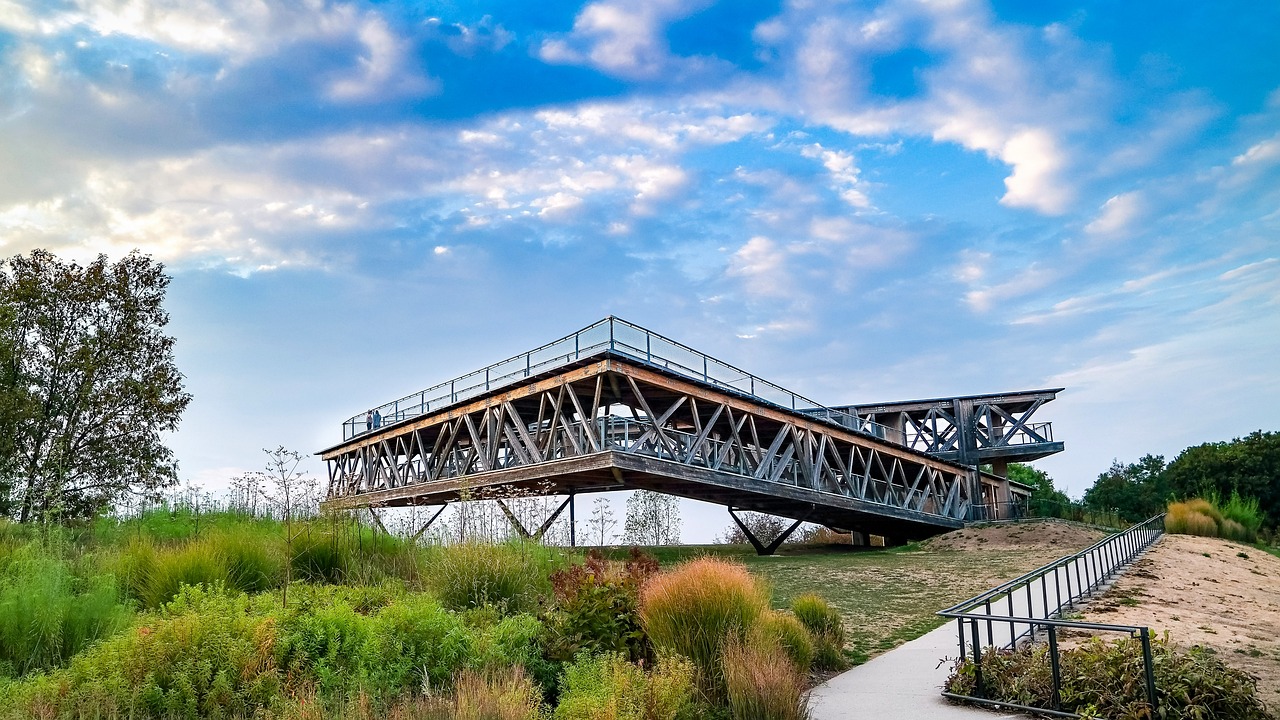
(519, 526)
(773, 546)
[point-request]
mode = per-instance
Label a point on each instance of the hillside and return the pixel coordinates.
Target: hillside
(1210, 592)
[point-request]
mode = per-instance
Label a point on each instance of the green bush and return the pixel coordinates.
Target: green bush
(827, 628)
(510, 576)
(597, 607)
(1244, 511)
(207, 654)
(691, 611)
(516, 640)
(784, 630)
(762, 684)
(607, 687)
(48, 613)
(1102, 679)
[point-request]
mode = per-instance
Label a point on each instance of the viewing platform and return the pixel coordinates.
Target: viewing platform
(615, 406)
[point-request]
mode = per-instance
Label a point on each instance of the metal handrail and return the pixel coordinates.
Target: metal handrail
(1092, 568)
(617, 336)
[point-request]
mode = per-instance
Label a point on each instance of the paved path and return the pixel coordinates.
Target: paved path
(906, 682)
(903, 683)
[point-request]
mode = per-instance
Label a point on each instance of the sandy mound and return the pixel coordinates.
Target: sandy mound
(1017, 536)
(1209, 592)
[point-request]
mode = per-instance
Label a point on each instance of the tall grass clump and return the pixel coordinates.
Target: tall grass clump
(1243, 511)
(48, 613)
(1237, 519)
(1182, 518)
(783, 629)
(762, 685)
(692, 610)
(510, 576)
(607, 687)
(827, 628)
(501, 695)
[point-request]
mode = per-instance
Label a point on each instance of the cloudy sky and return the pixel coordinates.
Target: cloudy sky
(860, 201)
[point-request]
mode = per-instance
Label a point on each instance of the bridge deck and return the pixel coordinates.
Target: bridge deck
(612, 420)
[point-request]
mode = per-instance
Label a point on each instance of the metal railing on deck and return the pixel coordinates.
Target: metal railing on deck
(610, 335)
(1015, 610)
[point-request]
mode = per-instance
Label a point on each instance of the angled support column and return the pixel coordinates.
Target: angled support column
(427, 524)
(519, 527)
(772, 547)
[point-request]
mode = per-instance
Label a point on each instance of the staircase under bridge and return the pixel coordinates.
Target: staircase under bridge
(617, 407)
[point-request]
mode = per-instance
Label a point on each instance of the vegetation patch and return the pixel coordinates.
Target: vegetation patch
(1104, 680)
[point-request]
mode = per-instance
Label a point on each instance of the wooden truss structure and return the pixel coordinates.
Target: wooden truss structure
(610, 423)
(972, 429)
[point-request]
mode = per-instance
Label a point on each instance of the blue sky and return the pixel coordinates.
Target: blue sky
(860, 201)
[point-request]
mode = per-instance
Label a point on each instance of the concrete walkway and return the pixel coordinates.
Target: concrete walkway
(905, 682)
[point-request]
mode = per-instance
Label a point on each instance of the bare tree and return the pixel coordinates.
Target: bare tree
(652, 519)
(602, 522)
(291, 495)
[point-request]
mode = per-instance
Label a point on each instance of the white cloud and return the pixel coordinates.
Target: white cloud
(622, 37)
(1035, 181)
(1263, 153)
(1117, 214)
(381, 72)
(760, 263)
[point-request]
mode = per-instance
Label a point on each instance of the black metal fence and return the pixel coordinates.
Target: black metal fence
(1031, 607)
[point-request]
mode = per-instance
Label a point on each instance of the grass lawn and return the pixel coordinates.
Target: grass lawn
(887, 596)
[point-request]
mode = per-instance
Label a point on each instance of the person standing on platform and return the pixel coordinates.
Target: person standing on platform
(377, 420)
(368, 421)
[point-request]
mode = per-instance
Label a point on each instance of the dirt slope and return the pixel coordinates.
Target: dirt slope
(1210, 592)
(1049, 534)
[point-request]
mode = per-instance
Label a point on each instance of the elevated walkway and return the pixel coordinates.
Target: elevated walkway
(615, 406)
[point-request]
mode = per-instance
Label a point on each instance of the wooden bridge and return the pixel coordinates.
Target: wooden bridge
(616, 407)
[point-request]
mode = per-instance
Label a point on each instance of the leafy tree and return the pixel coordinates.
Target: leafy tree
(1135, 491)
(652, 519)
(87, 384)
(1045, 498)
(1249, 466)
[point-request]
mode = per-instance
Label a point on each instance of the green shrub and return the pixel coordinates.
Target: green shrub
(827, 628)
(207, 654)
(762, 684)
(607, 687)
(1100, 677)
(48, 613)
(516, 640)
(784, 630)
(510, 576)
(692, 610)
(413, 643)
(597, 607)
(1244, 511)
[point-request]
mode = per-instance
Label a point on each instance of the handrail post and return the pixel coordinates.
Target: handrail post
(1149, 664)
(1057, 670)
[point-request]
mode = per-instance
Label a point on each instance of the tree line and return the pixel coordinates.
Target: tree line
(1246, 466)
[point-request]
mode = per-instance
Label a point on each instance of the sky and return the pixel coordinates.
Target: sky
(861, 201)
